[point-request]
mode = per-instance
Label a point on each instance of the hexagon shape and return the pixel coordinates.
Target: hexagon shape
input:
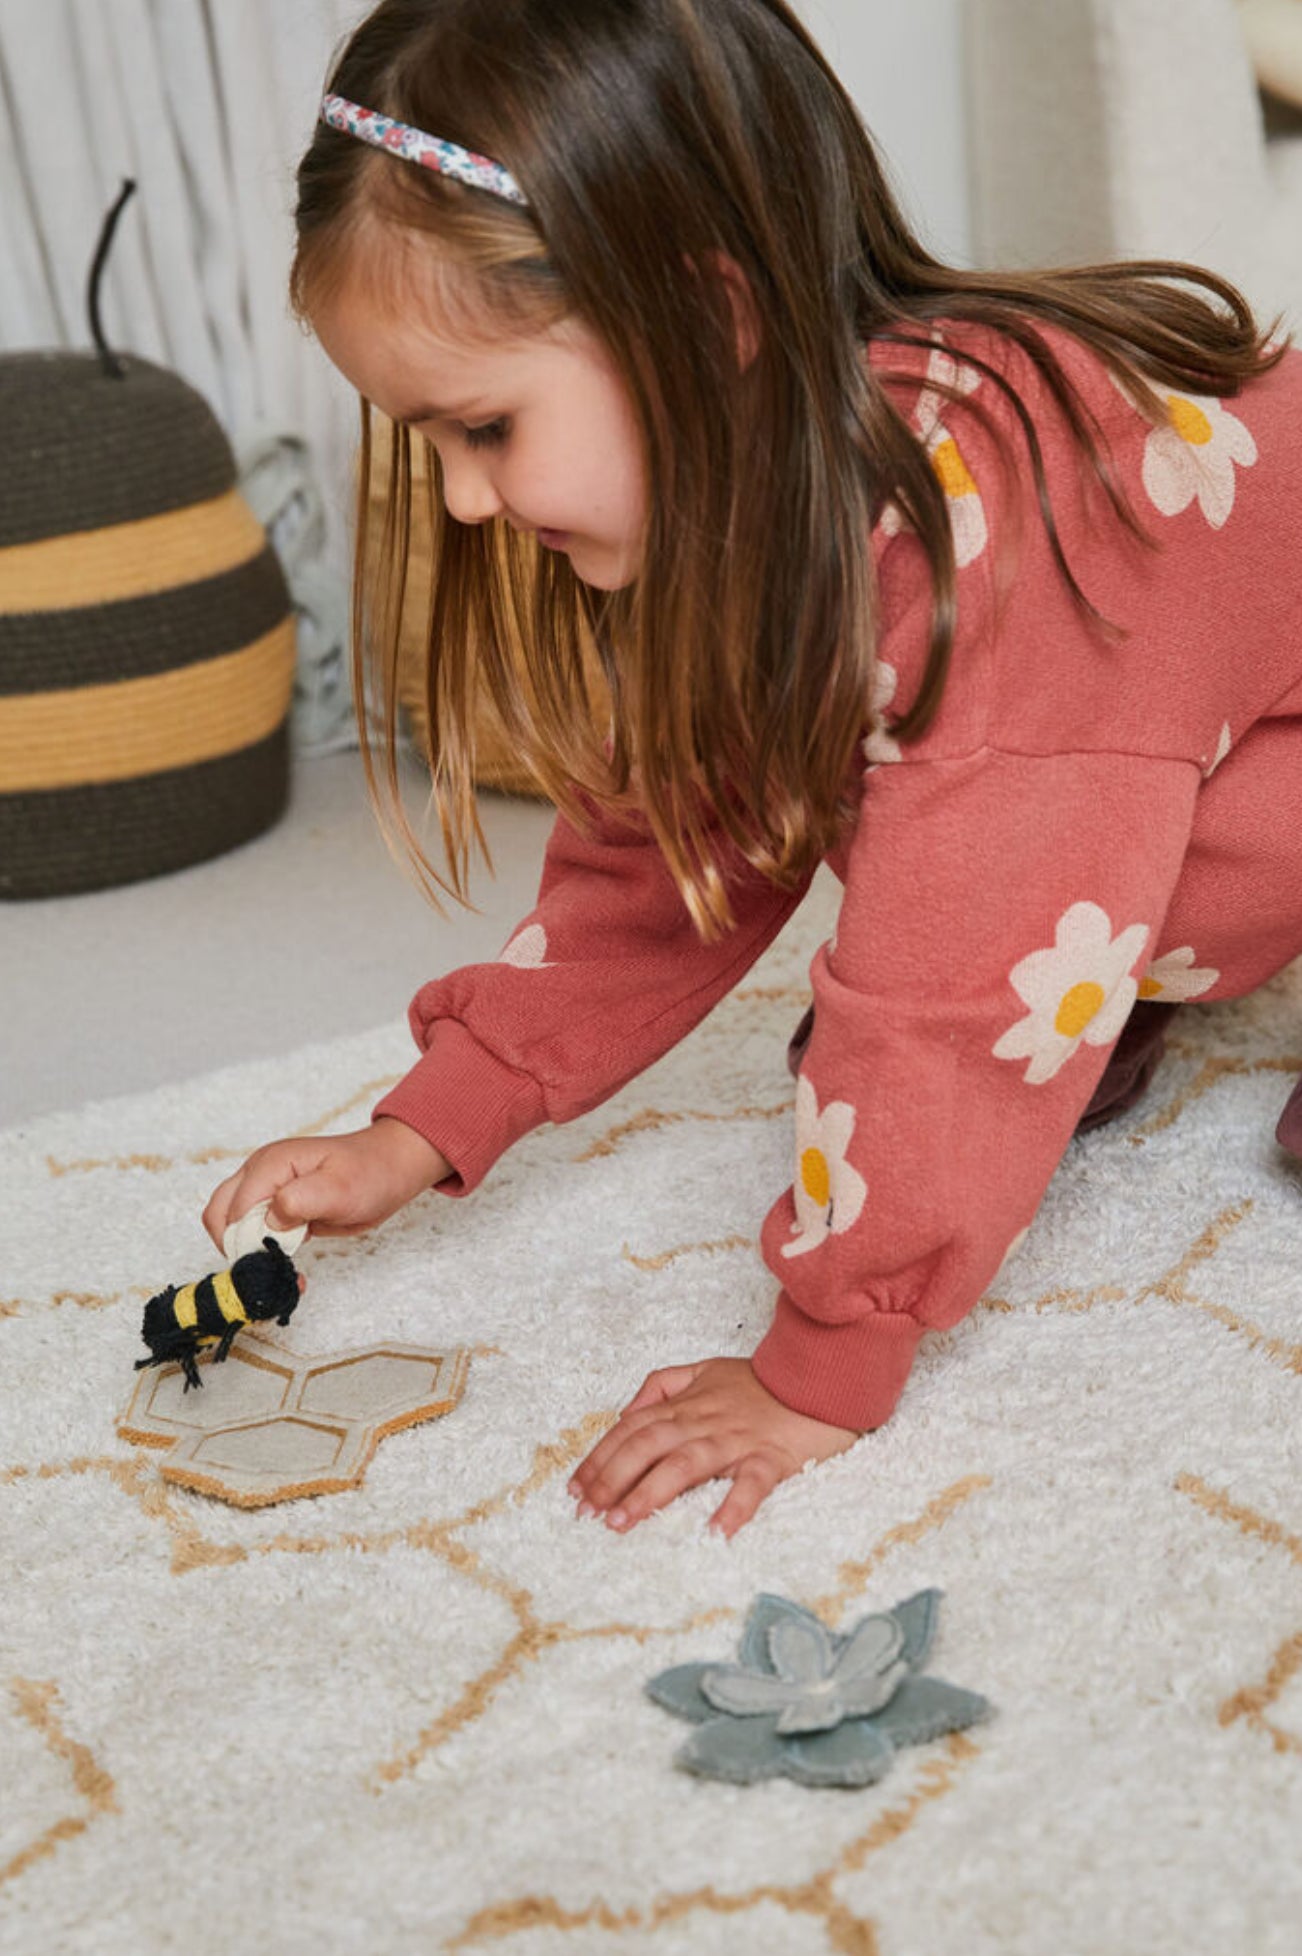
(392, 1382)
(270, 1426)
(265, 1460)
(254, 1380)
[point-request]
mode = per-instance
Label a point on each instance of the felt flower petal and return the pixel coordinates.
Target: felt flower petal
(917, 1620)
(801, 1649)
(855, 1754)
(858, 1697)
(679, 1691)
(738, 1749)
(745, 1693)
(765, 1611)
(870, 1650)
(926, 1708)
(816, 1711)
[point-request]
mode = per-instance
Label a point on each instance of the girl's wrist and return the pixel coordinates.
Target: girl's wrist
(412, 1155)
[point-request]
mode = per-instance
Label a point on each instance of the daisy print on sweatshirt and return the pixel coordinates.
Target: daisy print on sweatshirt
(967, 514)
(1078, 989)
(527, 949)
(1175, 977)
(1195, 456)
(878, 745)
(829, 1194)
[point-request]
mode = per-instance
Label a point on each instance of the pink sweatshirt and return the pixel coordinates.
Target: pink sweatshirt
(1088, 821)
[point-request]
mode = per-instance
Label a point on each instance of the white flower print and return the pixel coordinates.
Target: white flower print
(878, 745)
(1078, 989)
(966, 510)
(1174, 977)
(829, 1194)
(1194, 455)
(527, 949)
(1222, 749)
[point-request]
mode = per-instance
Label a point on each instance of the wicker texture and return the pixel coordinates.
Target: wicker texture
(146, 633)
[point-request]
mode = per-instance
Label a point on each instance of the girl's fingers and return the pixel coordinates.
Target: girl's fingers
(686, 1466)
(220, 1203)
(752, 1483)
(636, 1453)
(662, 1385)
(590, 1469)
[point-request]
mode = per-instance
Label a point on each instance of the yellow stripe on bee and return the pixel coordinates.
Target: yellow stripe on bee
(228, 1298)
(186, 1309)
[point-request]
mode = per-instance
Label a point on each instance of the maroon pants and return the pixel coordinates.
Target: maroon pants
(1130, 1068)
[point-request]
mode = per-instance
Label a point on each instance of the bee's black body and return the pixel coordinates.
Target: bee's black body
(178, 1324)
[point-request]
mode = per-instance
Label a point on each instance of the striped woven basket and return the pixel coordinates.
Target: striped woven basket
(146, 633)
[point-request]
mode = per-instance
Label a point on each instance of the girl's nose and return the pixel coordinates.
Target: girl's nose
(468, 491)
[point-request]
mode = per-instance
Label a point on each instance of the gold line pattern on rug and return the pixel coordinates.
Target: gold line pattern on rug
(38, 1702)
(1066, 1300)
(1246, 1519)
(203, 1157)
(767, 994)
(853, 1576)
(667, 1257)
(1210, 1074)
(533, 1636)
(654, 1117)
(1251, 1702)
(847, 1934)
(85, 1300)
(1172, 1288)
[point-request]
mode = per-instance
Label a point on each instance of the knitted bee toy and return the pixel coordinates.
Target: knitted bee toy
(178, 1324)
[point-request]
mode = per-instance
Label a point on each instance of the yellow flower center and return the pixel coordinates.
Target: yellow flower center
(1149, 987)
(1078, 1007)
(815, 1177)
(952, 470)
(1189, 422)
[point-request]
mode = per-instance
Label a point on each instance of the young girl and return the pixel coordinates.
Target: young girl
(773, 540)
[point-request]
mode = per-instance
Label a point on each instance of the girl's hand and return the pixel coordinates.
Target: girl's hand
(693, 1423)
(339, 1184)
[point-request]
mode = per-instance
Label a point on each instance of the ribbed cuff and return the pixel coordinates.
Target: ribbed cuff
(467, 1103)
(848, 1374)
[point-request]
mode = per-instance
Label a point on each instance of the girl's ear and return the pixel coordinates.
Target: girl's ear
(745, 319)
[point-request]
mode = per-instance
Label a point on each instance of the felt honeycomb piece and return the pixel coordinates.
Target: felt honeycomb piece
(274, 1426)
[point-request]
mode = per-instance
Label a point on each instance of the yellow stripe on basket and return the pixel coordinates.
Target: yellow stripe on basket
(134, 727)
(130, 560)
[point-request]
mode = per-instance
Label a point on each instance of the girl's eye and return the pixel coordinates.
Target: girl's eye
(490, 435)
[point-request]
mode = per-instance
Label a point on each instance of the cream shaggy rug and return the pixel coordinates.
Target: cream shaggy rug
(411, 1718)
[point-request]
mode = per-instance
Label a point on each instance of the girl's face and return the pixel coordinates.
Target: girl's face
(539, 430)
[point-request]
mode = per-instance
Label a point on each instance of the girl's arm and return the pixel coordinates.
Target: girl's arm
(603, 977)
(1000, 912)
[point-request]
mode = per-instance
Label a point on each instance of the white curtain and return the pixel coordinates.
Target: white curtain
(207, 104)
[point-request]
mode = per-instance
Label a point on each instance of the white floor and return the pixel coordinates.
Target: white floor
(308, 932)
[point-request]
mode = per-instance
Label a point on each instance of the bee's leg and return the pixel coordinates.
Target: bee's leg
(191, 1371)
(224, 1344)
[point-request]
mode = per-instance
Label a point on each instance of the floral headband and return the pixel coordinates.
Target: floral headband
(431, 152)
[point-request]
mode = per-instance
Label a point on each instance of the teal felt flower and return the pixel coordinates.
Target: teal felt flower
(822, 1709)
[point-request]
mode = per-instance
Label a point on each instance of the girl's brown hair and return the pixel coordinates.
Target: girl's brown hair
(654, 139)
